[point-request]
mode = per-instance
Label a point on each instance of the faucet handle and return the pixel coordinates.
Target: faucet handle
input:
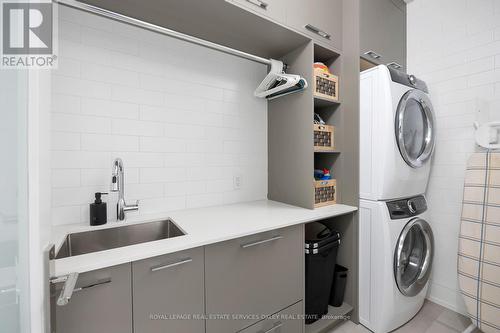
(128, 208)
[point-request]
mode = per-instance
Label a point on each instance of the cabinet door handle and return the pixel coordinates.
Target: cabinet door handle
(272, 239)
(274, 328)
(177, 263)
(318, 31)
(373, 54)
(394, 65)
(258, 3)
(94, 284)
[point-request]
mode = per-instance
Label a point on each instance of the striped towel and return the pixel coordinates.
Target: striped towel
(479, 243)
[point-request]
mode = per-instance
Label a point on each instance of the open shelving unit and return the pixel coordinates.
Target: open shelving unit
(292, 157)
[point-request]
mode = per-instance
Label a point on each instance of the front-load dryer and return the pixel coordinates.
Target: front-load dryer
(397, 134)
(396, 247)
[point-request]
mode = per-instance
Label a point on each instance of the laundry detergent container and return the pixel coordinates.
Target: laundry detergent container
(321, 247)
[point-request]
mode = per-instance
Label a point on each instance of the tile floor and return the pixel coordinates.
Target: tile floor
(433, 318)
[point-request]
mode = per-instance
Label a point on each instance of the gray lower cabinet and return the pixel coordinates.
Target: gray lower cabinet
(288, 320)
(169, 293)
(253, 276)
(273, 9)
(383, 32)
(101, 302)
(319, 19)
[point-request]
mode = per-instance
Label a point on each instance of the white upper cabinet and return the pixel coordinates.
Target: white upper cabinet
(319, 19)
(273, 9)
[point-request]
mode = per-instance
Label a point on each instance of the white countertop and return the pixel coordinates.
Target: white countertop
(203, 226)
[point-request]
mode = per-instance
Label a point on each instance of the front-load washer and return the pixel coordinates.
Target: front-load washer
(397, 134)
(396, 247)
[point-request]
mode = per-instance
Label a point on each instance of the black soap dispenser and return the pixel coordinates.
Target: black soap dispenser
(98, 210)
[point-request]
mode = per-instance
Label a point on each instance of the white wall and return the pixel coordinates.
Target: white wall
(454, 45)
(182, 117)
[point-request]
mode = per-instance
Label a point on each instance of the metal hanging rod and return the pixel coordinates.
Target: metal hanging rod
(161, 30)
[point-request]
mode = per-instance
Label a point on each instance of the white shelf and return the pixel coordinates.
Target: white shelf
(332, 318)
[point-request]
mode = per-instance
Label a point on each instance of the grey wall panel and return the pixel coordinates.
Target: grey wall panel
(290, 137)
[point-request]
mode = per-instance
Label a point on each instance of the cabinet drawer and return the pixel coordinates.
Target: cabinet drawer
(165, 289)
(289, 320)
(319, 19)
(253, 276)
(273, 9)
(103, 304)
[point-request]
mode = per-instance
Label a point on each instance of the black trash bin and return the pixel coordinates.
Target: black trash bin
(338, 286)
(321, 255)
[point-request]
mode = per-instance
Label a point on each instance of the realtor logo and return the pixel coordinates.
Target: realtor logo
(27, 34)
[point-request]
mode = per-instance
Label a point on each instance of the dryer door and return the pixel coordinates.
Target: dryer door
(415, 128)
(413, 257)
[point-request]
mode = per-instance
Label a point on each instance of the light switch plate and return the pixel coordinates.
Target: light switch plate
(237, 182)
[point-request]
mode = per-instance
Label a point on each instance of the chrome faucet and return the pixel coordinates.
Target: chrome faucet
(117, 185)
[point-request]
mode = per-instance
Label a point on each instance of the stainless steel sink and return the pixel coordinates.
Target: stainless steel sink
(111, 238)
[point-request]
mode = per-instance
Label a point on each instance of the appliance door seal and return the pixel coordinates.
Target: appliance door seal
(414, 127)
(413, 257)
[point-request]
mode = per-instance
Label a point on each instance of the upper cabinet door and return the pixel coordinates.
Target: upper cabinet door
(383, 32)
(319, 19)
(273, 9)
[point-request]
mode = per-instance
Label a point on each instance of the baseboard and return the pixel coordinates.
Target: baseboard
(446, 305)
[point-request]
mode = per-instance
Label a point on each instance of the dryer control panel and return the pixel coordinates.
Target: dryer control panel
(404, 208)
(408, 80)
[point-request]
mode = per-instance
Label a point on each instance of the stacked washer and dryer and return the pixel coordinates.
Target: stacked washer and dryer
(396, 241)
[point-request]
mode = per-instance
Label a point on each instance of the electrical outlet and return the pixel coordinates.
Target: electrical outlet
(237, 182)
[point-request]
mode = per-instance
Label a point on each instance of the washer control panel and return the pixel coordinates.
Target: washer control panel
(408, 80)
(404, 208)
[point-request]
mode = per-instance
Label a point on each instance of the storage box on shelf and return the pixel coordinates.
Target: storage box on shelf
(324, 137)
(326, 85)
(325, 192)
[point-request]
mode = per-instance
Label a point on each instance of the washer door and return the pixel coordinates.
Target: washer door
(413, 257)
(415, 128)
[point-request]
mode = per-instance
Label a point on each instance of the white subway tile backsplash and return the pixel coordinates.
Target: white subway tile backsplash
(161, 144)
(104, 142)
(185, 131)
(204, 200)
(108, 74)
(72, 196)
(79, 87)
(175, 189)
(182, 122)
(65, 141)
(162, 175)
(106, 108)
(144, 191)
(105, 40)
(66, 103)
(66, 178)
(136, 95)
(69, 31)
(80, 160)
(91, 177)
(140, 159)
(65, 215)
(489, 77)
(68, 67)
(80, 124)
(136, 127)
